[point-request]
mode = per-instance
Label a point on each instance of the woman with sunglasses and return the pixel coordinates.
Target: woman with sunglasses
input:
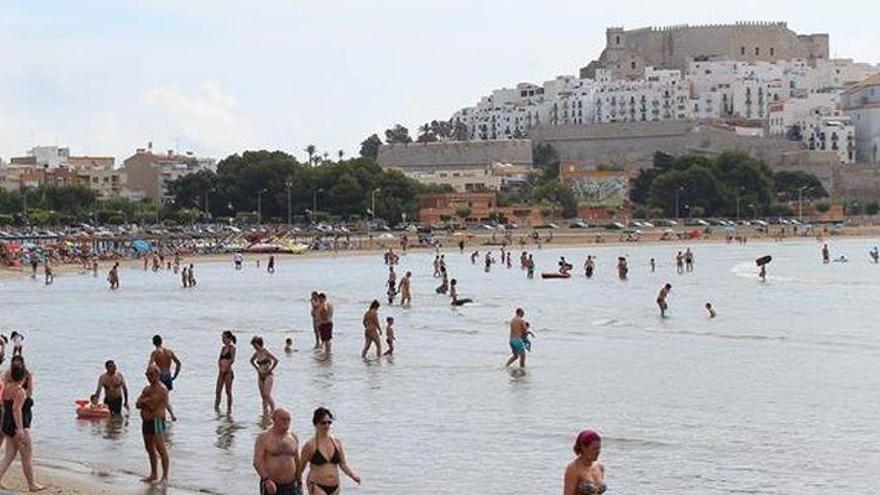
(326, 457)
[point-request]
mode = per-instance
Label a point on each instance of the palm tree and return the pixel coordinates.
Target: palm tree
(311, 150)
(340, 153)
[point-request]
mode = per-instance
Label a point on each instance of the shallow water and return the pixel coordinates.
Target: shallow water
(779, 394)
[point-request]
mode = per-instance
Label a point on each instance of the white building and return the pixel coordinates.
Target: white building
(861, 102)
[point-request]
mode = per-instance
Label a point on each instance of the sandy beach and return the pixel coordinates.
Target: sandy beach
(79, 480)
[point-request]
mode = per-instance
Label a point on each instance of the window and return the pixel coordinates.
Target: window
(757, 51)
(742, 50)
(617, 40)
(632, 65)
(772, 51)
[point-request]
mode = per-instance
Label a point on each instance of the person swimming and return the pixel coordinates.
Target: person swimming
(710, 311)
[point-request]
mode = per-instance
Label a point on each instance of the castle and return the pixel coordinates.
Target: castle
(628, 52)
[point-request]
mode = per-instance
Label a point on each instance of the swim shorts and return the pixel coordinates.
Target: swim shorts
(167, 380)
(517, 346)
(280, 489)
(155, 426)
(325, 331)
(115, 405)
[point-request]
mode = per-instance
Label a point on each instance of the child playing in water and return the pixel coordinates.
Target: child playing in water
(389, 335)
(17, 345)
(710, 310)
(288, 345)
(525, 338)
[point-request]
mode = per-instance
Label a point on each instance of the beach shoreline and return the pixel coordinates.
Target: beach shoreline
(478, 241)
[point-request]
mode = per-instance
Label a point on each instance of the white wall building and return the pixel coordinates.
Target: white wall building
(861, 103)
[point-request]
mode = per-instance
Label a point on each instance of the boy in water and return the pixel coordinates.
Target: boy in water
(288, 345)
(389, 335)
(526, 335)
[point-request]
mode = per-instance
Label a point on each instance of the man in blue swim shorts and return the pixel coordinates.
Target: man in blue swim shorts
(518, 329)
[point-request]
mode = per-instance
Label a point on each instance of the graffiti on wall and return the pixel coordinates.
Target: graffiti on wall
(600, 189)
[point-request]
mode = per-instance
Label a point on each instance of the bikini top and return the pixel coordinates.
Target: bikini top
(318, 458)
(225, 353)
(586, 487)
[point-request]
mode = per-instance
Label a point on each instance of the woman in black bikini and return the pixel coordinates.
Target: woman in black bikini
(264, 362)
(225, 374)
(16, 425)
(326, 457)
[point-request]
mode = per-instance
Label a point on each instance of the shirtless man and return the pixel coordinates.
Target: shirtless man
(153, 402)
(325, 322)
(661, 299)
(162, 357)
(518, 328)
(115, 389)
(372, 330)
(276, 457)
(404, 289)
(113, 276)
(315, 304)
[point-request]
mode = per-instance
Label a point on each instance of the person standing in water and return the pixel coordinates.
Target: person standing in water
(153, 402)
(661, 299)
(372, 330)
(404, 289)
(653, 265)
(389, 336)
(163, 357)
(16, 427)
(191, 276)
(679, 263)
(518, 329)
(224, 371)
(184, 278)
(622, 267)
(237, 258)
(325, 322)
(264, 362)
(315, 304)
(688, 260)
(589, 266)
(530, 267)
(762, 273)
(113, 277)
(826, 256)
(115, 389)
(710, 311)
(325, 457)
(444, 284)
(453, 293)
(474, 256)
(47, 270)
(276, 457)
(270, 267)
(392, 285)
(585, 475)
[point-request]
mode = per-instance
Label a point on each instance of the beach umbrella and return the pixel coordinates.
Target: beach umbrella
(141, 246)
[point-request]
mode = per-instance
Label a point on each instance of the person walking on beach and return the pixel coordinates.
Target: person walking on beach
(163, 357)
(153, 402)
(661, 299)
(585, 475)
(325, 322)
(325, 457)
(404, 289)
(224, 371)
(518, 329)
(264, 362)
(276, 457)
(16, 427)
(372, 330)
(115, 388)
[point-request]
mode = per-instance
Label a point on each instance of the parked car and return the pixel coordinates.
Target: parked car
(578, 225)
(614, 226)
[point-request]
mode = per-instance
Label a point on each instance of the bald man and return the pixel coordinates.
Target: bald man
(152, 403)
(276, 457)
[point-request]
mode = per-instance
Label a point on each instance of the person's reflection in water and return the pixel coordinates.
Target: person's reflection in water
(226, 430)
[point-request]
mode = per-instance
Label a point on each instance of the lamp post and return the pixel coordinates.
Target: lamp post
(260, 206)
(315, 205)
(373, 202)
(801, 202)
(289, 185)
(677, 194)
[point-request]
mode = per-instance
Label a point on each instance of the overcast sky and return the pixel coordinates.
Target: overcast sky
(220, 76)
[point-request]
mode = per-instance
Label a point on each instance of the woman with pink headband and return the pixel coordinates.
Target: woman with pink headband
(585, 475)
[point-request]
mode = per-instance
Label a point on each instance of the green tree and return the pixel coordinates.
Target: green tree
(397, 135)
(370, 147)
(788, 182)
(311, 150)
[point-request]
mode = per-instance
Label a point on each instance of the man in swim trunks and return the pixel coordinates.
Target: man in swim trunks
(162, 357)
(115, 389)
(153, 402)
(325, 322)
(661, 299)
(518, 328)
(276, 457)
(315, 304)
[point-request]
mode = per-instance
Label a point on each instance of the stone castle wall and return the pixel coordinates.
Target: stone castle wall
(628, 52)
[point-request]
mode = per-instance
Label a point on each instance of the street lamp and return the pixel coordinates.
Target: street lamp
(801, 201)
(289, 185)
(260, 206)
(373, 202)
(677, 194)
(315, 205)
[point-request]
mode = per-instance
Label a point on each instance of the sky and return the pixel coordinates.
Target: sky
(219, 76)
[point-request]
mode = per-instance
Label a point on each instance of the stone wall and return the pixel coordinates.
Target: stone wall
(632, 146)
